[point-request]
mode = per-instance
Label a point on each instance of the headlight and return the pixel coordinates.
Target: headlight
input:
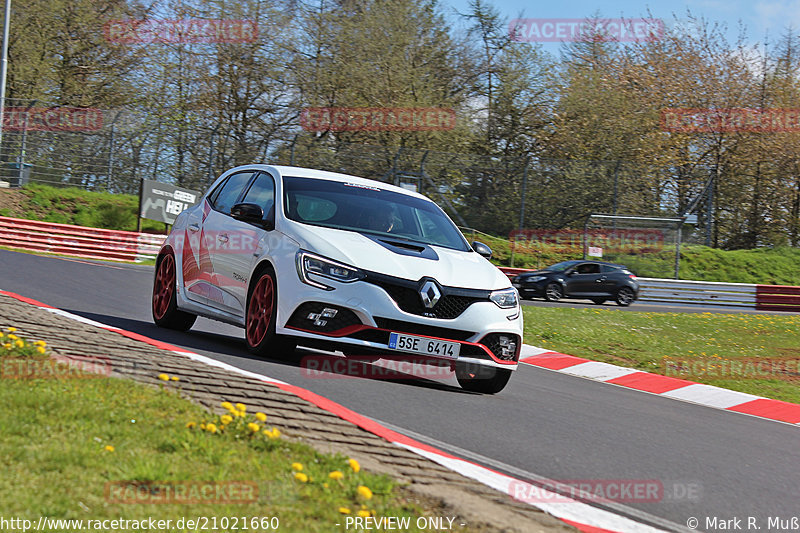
(308, 263)
(534, 279)
(505, 299)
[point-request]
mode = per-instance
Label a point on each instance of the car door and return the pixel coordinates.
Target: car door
(238, 245)
(216, 230)
(610, 279)
(583, 279)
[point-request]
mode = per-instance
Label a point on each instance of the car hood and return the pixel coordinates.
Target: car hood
(453, 268)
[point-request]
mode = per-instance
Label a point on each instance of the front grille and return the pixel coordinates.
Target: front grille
(343, 318)
(405, 293)
(423, 329)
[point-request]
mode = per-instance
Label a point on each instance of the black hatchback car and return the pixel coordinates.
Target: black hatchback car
(590, 280)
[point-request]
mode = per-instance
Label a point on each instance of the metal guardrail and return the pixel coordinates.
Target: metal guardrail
(78, 241)
(711, 294)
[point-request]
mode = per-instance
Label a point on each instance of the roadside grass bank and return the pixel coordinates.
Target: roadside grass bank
(756, 354)
(81, 446)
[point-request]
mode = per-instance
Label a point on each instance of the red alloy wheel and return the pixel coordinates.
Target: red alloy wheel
(259, 313)
(164, 286)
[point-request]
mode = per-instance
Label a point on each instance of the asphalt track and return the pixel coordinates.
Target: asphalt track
(543, 424)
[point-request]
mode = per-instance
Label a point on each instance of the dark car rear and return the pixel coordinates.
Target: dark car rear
(590, 280)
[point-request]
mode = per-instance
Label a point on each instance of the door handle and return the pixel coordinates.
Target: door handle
(598, 280)
(194, 227)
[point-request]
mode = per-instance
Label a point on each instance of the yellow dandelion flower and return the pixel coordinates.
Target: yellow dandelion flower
(175, 378)
(203, 426)
(325, 485)
(190, 425)
(7, 345)
(211, 428)
(354, 465)
(241, 407)
(163, 377)
(261, 417)
(364, 492)
(11, 329)
(37, 343)
(227, 405)
(2, 334)
(226, 419)
(336, 475)
(344, 510)
(363, 513)
(301, 477)
(253, 427)
(20, 343)
(297, 466)
(109, 448)
(240, 414)
(13, 337)
(40, 349)
(274, 434)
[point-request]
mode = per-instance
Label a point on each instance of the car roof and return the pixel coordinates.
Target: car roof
(576, 261)
(301, 172)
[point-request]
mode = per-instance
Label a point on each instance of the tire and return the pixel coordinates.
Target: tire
(259, 332)
(598, 301)
(553, 292)
(625, 297)
(485, 380)
(164, 304)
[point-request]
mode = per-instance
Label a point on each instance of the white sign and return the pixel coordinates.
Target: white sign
(594, 251)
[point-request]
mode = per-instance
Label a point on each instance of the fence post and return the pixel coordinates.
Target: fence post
(111, 156)
(522, 202)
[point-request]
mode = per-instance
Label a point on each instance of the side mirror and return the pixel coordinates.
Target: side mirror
(251, 213)
(482, 249)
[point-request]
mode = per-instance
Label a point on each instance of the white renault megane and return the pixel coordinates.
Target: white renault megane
(300, 256)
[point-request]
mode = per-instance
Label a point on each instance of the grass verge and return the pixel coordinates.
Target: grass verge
(105, 449)
(756, 354)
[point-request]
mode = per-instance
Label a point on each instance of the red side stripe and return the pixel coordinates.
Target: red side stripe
(554, 360)
(774, 409)
(647, 382)
(26, 299)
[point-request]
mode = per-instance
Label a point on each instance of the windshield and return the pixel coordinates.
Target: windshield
(371, 210)
(558, 267)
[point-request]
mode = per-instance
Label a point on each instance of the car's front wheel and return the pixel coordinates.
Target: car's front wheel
(165, 302)
(485, 380)
(262, 304)
(553, 292)
(625, 296)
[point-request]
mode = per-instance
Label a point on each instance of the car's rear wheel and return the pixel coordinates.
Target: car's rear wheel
(262, 303)
(599, 301)
(486, 380)
(625, 296)
(165, 302)
(553, 292)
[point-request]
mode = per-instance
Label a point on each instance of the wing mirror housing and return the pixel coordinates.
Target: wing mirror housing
(482, 249)
(253, 214)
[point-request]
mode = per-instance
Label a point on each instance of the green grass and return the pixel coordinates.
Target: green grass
(71, 205)
(757, 354)
(65, 439)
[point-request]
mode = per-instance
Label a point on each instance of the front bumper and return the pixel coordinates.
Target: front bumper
(367, 315)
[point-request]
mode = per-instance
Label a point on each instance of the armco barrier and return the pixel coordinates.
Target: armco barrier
(710, 293)
(78, 241)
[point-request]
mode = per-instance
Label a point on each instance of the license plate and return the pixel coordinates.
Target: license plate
(423, 345)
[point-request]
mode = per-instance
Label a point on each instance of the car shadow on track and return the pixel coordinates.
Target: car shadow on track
(234, 346)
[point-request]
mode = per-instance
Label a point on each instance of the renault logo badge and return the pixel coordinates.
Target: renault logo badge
(430, 294)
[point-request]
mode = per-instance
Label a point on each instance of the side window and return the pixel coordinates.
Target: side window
(588, 268)
(230, 191)
(262, 192)
(605, 269)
